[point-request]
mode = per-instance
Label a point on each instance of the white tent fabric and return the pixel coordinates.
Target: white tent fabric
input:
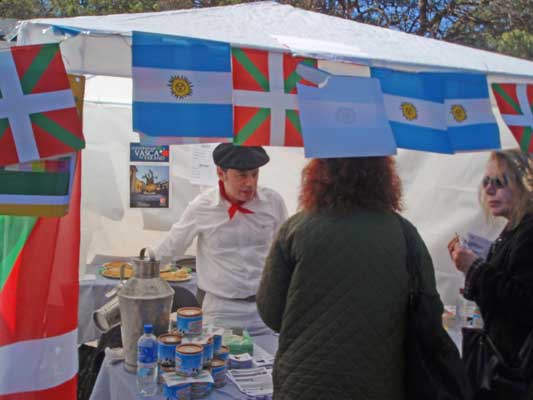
(440, 190)
(103, 45)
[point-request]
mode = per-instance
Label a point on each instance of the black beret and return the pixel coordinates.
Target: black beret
(227, 155)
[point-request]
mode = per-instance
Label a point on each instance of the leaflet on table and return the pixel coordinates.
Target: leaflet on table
(255, 382)
(261, 357)
(173, 379)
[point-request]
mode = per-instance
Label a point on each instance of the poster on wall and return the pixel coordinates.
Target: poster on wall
(149, 176)
(203, 170)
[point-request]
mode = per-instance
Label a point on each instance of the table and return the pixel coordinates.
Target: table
(93, 288)
(114, 383)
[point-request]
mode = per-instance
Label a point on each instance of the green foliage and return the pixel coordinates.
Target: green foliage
(516, 43)
(497, 25)
(64, 8)
(21, 9)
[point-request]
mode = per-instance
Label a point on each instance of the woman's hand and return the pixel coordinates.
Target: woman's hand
(462, 256)
(452, 243)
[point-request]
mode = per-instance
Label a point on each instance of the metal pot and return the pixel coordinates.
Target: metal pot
(144, 299)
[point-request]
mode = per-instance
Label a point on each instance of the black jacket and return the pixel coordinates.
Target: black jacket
(502, 287)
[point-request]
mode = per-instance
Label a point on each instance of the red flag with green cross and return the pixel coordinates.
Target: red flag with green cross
(38, 116)
(515, 102)
(265, 100)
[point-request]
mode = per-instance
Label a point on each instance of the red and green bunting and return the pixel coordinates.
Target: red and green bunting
(265, 98)
(515, 102)
(56, 129)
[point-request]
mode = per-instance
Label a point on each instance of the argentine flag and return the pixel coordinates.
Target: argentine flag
(181, 86)
(344, 117)
(439, 112)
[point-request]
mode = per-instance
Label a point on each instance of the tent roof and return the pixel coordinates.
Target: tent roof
(101, 44)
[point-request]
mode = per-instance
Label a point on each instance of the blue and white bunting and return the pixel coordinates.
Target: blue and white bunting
(181, 86)
(439, 112)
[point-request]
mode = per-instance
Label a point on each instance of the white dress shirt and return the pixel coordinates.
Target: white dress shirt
(230, 253)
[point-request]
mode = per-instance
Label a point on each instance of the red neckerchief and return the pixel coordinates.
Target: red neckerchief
(234, 206)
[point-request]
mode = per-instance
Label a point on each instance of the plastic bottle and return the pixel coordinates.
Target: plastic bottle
(465, 310)
(477, 321)
(147, 363)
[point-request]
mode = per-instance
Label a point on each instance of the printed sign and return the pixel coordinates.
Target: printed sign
(140, 153)
(149, 186)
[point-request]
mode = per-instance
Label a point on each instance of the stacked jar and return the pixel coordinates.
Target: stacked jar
(189, 356)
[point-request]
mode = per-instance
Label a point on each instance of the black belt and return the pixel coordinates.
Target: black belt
(249, 298)
(200, 294)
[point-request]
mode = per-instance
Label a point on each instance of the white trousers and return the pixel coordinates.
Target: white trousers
(228, 313)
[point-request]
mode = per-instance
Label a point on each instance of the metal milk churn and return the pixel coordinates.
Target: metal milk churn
(144, 299)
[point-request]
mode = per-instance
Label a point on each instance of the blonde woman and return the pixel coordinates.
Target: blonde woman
(502, 285)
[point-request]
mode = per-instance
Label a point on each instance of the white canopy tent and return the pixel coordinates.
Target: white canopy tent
(440, 190)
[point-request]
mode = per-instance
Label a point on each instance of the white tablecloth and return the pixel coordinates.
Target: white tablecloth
(92, 297)
(114, 383)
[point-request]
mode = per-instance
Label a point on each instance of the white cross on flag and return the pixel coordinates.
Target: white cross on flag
(265, 98)
(38, 116)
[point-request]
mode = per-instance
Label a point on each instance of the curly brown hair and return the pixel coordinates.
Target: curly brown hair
(343, 184)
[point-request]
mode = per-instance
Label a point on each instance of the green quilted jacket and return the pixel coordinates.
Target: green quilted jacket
(335, 287)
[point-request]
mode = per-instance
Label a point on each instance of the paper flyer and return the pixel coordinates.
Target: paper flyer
(149, 176)
(203, 171)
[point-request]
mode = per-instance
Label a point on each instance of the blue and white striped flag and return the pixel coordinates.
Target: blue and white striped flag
(181, 86)
(343, 118)
(439, 112)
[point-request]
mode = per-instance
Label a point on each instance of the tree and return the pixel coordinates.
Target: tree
(497, 25)
(21, 9)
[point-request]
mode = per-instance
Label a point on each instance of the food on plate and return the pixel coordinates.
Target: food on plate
(117, 264)
(179, 275)
(115, 273)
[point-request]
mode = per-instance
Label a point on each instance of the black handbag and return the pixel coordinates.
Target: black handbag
(434, 370)
(486, 365)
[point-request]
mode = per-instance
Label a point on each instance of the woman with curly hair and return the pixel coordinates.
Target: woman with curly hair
(335, 285)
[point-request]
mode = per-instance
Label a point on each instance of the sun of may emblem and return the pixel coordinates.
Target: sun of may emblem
(180, 86)
(409, 111)
(458, 112)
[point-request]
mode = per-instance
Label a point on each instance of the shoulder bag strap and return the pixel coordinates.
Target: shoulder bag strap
(412, 262)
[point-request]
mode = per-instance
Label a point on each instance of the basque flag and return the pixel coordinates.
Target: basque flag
(515, 102)
(181, 86)
(439, 112)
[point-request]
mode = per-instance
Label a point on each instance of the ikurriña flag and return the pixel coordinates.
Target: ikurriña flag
(38, 116)
(439, 112)
(265, 97)
(181, 86)
(515, 102)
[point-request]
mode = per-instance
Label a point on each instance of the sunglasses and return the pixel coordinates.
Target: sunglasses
(496, 181)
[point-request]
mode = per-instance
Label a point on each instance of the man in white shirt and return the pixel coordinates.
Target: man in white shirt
(235, 224)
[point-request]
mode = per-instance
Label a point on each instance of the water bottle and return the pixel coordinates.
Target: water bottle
(147, 363)
(477, 320)
(465, 310)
